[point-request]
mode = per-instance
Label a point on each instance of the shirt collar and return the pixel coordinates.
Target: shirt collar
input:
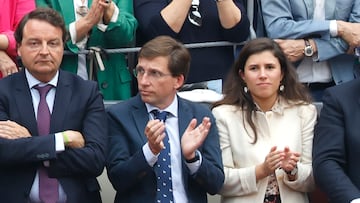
(32, 81)
(172, 108)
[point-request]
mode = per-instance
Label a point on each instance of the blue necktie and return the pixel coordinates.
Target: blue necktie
(48, 187)
(163, 167)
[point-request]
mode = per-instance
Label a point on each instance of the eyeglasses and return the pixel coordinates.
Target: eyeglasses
(151, 74)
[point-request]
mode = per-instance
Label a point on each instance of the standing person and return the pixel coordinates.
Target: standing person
(104, 24)
(11, 13)
(311, 34)
(137, 138)
(51, 142)
(195, 22)
(265, 124)
(336, 147)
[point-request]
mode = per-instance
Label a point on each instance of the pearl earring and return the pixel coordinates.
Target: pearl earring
(246, 89)
(281, 88)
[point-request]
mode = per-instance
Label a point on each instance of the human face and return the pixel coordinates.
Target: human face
(158, 90)
(262, 75)
(41, 49)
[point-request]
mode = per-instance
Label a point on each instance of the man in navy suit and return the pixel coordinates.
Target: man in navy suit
(336, 147)
(136, 139)
(72, 154)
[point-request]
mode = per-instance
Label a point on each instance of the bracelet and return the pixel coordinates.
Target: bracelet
(66, 138)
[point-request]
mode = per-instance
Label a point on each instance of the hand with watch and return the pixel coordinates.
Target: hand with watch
(308, 50)
(289, 163)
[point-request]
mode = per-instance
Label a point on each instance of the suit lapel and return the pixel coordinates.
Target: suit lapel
(26, 109)
(185, 116)
(67, 10)
(62, 99)
(140, 117)
(310, 8)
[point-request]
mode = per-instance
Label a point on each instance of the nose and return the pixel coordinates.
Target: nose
(44, 49)
(143, 79)
(262, 72)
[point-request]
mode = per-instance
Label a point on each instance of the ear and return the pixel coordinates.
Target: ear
(241, 74)
(179, 81)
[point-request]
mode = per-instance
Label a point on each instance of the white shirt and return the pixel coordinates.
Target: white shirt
(172, 128)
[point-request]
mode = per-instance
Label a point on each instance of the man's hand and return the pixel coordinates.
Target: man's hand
(350, 32)
(73, 139)
(12, 130)
(193, 137)
(155, 133)
(293, 48)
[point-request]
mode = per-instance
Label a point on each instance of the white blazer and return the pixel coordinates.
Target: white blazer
(285, 125)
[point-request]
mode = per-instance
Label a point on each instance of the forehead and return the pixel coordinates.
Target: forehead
(40, 29)
(157, 63)
(266, 57)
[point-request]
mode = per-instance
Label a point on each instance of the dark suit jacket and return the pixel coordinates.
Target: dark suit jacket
(133, 178)
(336, 149)
(78, 106)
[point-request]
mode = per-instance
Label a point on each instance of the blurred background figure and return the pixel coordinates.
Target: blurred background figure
(98, 25)
(315, 34)
(196, 21)
(265, 122)
(11, 13)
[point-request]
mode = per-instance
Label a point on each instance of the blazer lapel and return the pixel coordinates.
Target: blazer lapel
(310, 8)
(140, 117)
(62, 99)
(26, 109)
(185, 116)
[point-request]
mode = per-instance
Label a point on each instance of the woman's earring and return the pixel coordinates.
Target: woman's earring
(246, 89)
(281, 88)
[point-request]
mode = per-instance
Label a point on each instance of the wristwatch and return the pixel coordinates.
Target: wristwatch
(196, 158)
(308, 50)
(292, 172)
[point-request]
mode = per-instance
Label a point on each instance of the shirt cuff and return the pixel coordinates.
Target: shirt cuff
(59, 142)
(149, 156)
(72, 31)
(101, 26)
(333, 28)
(355, 200)
(193, 167)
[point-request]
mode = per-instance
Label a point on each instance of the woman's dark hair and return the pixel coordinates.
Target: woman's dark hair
(234, 84)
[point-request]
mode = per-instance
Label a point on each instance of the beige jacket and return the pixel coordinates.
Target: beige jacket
(286, 125)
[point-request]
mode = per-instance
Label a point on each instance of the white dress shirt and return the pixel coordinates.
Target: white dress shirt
(172, 128)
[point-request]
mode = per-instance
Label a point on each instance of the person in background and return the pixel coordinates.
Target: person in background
(336, 144)
(266, 122)
(314, 36)
(196, 21)
(96, 25)
(52, 123)
(185, 142)
(11, 13)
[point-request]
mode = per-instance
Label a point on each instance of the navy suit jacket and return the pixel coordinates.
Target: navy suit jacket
(77, 106)
(133, 178)
(336, 147)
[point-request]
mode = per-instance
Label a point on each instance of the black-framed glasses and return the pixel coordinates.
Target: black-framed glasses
(151, 74)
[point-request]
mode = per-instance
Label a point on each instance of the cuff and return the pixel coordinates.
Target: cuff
(333, 28)
(72, 31)
(194, 166)
(149, 156)
(59, 142)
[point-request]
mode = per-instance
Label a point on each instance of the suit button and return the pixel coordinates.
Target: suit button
(104, 85)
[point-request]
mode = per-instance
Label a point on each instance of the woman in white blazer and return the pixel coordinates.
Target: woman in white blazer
(266, 123)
